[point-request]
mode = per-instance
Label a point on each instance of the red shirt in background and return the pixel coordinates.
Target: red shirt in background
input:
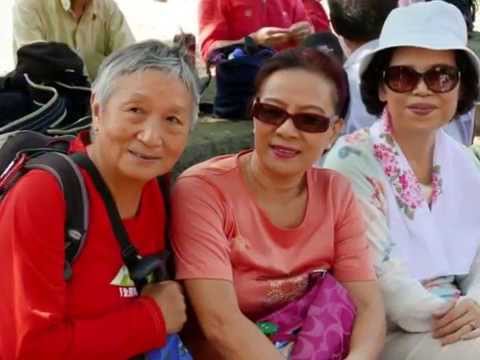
(317, 15)
(235, 19)
(95, 315)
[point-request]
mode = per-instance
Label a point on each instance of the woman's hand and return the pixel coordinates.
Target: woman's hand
(232, 334)
(300, 30)
(271, 36)
(169, 297)
(461, 321)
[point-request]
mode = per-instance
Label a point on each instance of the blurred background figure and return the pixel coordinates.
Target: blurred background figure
(276, 23)
(359, 23)
(317, 15)
(93, 28)
(327, 42)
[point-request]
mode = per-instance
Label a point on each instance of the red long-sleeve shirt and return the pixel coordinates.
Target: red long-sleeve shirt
(92, 316)
(317, 15)
(235, 19)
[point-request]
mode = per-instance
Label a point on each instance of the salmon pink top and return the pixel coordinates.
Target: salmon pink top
(219, 232)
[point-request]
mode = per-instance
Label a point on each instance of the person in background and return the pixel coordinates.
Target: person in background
(249, 230)
(419, 188)
(94, 28)
(144, 103)
(274, 23)
(408, 2)
(326, 41)
(317, 15)
(358, 23)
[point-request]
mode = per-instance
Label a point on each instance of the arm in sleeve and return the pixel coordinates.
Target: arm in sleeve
(27, 24)
(39, 292)
(317, 15)
(408, 304)
(213, 26)
(353, 260)
(119, 32)
(200, 243)
(202, 250)
(299, 13)
(470, 284)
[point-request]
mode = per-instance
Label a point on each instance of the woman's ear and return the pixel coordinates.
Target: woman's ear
(382, 95)
(336, 131)
(95, 108)
(338, 127)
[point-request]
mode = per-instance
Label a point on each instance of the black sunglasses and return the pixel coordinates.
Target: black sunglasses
(274, 115)
(438, 79)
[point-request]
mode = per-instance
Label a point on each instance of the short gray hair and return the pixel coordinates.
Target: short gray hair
(142, 56)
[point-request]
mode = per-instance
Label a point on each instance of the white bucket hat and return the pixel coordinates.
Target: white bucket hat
(434, 25)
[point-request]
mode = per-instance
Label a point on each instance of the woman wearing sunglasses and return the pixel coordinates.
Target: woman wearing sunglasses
(420, 189)
(252, 229)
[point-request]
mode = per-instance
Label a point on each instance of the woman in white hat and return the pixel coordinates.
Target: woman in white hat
(419, 188)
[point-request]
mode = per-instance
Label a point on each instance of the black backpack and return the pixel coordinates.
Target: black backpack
(46, 92)
(27, 150)
(235, 77)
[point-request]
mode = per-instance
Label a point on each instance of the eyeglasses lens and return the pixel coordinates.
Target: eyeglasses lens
(439, 79)
(274, 115)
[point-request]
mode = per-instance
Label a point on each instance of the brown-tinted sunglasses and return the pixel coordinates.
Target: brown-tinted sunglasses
(275, 115)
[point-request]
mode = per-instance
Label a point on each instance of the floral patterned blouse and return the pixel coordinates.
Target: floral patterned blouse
(409, 303)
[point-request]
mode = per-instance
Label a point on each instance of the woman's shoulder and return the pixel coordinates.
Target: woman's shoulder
(38, 189)
(352, 153)
(213, 178)
(215, 169)
(358, 142)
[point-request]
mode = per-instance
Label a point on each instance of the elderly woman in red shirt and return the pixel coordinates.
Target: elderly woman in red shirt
(144, 103)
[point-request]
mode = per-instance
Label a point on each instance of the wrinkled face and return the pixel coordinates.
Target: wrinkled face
(143, 128)
(420, 109)
(286, 150)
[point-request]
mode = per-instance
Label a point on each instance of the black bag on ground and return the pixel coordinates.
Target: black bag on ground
(28, 150)
(47, 89)
(236, 67)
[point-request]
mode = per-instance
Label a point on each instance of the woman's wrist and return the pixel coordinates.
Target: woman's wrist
(253, 36)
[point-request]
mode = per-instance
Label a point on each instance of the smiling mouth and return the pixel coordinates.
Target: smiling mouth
(421, 109)
(142, 156)
(284, 152)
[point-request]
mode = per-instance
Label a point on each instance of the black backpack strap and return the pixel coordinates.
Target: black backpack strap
(139, 268)
(76, 198)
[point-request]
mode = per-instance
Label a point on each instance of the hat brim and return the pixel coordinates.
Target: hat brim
(367, 58)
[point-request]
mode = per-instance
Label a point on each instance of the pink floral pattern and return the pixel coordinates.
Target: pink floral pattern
(357, 136)
(377, 198)
(436, 183)
(407, 188)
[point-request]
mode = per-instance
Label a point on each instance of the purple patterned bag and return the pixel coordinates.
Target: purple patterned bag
(319, 323)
